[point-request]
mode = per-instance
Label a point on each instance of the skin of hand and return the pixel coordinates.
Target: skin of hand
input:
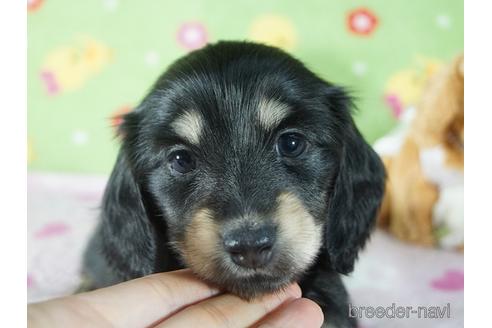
(174, 299)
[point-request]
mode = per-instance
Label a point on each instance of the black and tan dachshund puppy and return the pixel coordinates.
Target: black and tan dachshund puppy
(246, 167)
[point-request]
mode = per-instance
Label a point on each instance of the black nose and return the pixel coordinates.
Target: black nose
(250, 248)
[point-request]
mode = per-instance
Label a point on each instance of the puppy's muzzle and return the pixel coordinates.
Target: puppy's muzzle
(250, 247)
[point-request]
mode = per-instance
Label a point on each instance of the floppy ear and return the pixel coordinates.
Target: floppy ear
(128, 237)
(356, 196)
(127, 234)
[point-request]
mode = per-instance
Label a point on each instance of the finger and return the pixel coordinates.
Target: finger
(150, 299)
(301, 312)
(229, 310)
(136, 303)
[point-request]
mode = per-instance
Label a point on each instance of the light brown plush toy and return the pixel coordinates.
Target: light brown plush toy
(424, 159)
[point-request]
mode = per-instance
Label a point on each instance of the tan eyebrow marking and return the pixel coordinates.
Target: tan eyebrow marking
(271, 112)
(189, 126)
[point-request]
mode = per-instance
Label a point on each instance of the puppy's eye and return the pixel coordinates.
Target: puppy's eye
(181, 161)
(291, 144)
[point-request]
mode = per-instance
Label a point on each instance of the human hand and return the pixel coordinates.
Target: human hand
(174, 299)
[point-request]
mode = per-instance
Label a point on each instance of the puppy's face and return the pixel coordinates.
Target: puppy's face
(239, 146)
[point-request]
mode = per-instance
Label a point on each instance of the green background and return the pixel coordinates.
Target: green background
(406, 30)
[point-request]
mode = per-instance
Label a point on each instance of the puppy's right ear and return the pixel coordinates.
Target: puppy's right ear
(127, 233)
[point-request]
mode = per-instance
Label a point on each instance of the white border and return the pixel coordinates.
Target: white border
(478, 127)
(13, 251)
(478, 163)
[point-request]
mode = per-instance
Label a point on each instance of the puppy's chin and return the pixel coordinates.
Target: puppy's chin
(251, 286)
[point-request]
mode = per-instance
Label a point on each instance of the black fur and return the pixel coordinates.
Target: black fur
(146, 208)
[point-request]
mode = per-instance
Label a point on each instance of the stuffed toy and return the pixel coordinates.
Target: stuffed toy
(424, 159)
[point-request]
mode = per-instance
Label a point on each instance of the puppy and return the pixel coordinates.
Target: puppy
(246, 167)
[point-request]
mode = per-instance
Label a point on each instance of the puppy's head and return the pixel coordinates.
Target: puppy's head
(254, 166)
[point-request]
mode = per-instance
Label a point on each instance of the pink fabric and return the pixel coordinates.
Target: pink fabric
(62, 213)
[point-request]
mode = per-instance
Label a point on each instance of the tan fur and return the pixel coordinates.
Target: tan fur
(297, 229)
(201, 242)
(189, 126)
(271, 113)
(410, 197)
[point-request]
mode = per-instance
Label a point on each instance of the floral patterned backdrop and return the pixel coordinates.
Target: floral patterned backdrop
(89, 61)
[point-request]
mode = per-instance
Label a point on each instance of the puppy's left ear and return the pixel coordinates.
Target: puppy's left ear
(356, 196)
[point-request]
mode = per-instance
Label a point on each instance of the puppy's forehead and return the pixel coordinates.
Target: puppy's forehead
(260, 113)
(239, 112)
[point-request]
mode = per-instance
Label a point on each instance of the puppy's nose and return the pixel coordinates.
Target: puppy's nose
(250, 248)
